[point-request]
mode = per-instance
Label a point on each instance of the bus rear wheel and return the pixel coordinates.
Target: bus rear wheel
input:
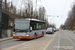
(35, 36)
(42, 34)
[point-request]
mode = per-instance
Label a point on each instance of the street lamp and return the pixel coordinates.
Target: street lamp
(0, 18)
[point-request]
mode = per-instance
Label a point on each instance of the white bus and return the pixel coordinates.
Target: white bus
(28, 28)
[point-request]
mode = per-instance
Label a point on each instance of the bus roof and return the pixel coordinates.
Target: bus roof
(30, 19)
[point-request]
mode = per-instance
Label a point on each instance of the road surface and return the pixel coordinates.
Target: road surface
(60, 40)
(64, 40)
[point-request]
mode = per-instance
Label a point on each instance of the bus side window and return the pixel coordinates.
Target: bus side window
(37, 27)
(43, 26)
(40, 26)
(33, 25)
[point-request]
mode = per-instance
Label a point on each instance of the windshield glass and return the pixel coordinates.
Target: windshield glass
(49, 28)
(21, 26)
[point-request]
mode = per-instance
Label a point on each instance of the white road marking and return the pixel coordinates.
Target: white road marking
(69, 39)
(58, 41)
(71, 36)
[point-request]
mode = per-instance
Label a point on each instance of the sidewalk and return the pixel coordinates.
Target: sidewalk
(3, 39)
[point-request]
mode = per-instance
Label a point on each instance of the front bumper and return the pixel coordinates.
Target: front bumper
(48, 32)
(23, 37)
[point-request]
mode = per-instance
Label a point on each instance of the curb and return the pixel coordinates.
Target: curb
(4, 39)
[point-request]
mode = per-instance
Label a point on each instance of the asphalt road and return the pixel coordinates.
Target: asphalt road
(60, 40)
(64, 40)
(14, 42)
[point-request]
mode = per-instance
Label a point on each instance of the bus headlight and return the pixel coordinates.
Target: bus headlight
(27, 34)
(13, 33)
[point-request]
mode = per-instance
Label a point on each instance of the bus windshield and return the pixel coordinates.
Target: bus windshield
(21, 26)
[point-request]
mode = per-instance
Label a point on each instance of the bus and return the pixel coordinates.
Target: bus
(28, 29)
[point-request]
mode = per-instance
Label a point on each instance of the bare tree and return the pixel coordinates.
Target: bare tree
(41, 13)
(70, 22)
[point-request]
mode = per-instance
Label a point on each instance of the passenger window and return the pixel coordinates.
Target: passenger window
(40, 26)
(37, 27)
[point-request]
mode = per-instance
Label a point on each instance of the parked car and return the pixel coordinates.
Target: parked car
(50, 30)
(57, 29)
(54, 29)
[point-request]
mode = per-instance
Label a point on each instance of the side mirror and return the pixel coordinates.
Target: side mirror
(31, 28)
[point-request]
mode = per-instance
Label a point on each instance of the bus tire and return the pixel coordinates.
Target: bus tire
(35, 36)
(42, 34)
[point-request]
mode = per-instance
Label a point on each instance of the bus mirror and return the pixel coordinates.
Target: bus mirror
(31, 28)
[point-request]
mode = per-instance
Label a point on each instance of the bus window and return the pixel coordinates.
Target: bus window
(40, 26)
(43, 26)
(37, 26)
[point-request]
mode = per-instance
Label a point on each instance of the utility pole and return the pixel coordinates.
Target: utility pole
(36, 4)
(0, 19)
(6, 6)
(36, 9)
(39, 17)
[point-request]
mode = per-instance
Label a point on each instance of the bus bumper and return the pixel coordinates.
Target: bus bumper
(23, 37)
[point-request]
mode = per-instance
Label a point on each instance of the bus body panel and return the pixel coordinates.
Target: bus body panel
(22, 35)
(31, 36)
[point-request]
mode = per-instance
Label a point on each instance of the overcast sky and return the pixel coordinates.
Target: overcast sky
(58, 8)
(53, 8)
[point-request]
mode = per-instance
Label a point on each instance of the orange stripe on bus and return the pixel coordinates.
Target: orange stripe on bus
(26, 37)
(21, 37)
(39, 35)
(44, 33)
